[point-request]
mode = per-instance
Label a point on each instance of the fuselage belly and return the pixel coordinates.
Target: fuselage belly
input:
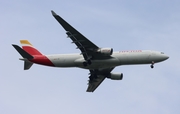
(117, 58)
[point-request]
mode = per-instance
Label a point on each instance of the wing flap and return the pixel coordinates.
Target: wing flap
(95, 83)
(98, 76)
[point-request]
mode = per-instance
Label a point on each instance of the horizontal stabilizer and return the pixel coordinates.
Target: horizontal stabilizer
(23, 53)
(27, 65)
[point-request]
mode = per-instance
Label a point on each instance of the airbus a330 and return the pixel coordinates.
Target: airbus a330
(99, 61)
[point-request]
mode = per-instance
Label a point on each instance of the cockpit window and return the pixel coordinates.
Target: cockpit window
(162, 53)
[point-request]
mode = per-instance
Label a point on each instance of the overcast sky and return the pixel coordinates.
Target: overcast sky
(120, 24)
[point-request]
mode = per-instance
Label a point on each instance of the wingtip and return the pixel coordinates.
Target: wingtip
(53, 13)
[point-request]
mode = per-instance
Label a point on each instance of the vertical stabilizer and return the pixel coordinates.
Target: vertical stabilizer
(26, 57)
(28, 47)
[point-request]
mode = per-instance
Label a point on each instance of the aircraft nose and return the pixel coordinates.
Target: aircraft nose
(165, 57)
(158, 57)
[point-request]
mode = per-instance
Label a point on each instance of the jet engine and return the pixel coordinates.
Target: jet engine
(105, 51)
(114, 76)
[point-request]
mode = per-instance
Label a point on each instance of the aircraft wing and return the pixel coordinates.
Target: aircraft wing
(88, 50)
(86, 46)
(95, 83)
(96, 78)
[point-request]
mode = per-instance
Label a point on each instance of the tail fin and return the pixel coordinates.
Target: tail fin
(25, 55)
(28, 47)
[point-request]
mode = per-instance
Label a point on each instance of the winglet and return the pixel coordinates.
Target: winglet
(53, 13)
(63, 23)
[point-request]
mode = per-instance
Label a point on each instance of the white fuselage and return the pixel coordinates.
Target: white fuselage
(117, 58)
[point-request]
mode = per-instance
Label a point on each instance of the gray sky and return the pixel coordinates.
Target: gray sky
(122, 25)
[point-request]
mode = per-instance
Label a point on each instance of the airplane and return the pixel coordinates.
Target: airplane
(99, 61)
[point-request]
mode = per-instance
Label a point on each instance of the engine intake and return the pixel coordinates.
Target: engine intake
(105, 51)
(114, 76)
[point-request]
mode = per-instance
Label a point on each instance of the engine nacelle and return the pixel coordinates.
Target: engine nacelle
(105, 51)
(114, 76)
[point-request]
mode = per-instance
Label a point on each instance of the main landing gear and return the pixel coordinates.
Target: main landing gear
(152, 64)
(86, 63)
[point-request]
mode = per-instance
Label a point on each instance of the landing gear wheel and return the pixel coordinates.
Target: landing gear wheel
(89, 62)
(152, 66)
(85, 64)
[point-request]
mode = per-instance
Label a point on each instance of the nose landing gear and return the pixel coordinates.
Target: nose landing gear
(152, 64)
